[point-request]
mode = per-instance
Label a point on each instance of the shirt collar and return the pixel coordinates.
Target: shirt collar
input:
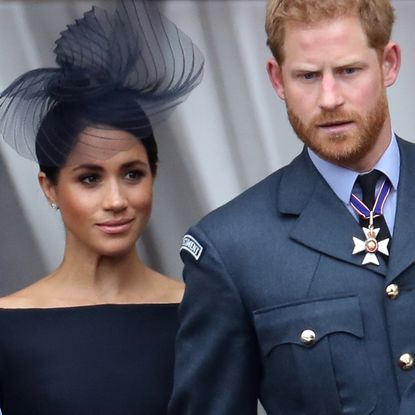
(342, 180)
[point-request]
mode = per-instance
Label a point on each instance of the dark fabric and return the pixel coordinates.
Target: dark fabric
(90, 360)
(368, 184)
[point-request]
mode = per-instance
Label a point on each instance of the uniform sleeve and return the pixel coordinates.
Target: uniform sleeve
(216, 370)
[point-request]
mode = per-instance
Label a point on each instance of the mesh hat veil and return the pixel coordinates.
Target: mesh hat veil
(130, 66)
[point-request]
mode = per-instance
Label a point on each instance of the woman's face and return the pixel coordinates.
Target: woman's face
(105, 201)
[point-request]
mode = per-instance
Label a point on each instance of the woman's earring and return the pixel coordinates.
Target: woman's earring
(54, 206)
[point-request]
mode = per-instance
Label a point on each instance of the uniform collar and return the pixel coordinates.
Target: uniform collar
(342, 180)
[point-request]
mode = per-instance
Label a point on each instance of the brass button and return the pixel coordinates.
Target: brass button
(406, 361)
(392, 291)
(308, 337)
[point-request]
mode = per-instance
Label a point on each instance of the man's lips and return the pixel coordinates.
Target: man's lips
(336, 126)
(114, 226)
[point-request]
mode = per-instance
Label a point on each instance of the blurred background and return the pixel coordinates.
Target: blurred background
(231, 132)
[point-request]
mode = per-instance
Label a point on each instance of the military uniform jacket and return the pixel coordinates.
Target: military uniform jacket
(277, 308)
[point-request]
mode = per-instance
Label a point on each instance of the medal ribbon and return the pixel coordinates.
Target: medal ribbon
(381, 197)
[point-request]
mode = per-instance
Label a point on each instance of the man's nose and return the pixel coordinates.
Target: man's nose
(330, 97)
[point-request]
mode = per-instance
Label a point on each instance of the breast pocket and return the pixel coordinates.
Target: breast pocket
(314, 356)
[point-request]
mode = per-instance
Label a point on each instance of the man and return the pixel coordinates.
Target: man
(290, 297)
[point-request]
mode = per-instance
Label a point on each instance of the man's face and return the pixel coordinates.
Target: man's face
(335, 91)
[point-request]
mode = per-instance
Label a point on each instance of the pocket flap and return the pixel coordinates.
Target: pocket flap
(292, 323)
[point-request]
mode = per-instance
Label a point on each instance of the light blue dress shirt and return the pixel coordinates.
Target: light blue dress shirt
(342, 181)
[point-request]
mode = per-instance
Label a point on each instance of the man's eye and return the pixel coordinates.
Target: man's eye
(350, 71)
(309, 75)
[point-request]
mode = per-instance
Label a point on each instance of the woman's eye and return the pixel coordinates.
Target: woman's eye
(134, 175)
(89, 179)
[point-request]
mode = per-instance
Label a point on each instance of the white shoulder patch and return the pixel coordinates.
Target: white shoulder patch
(190, 245)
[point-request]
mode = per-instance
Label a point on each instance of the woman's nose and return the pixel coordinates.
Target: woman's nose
(114, 198)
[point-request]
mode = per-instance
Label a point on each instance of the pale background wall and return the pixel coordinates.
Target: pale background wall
(231, 132)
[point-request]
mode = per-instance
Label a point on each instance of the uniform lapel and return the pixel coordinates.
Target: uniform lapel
(403, 241)
(324, 223)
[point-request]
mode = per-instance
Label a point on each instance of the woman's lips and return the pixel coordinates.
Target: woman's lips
(115, 226)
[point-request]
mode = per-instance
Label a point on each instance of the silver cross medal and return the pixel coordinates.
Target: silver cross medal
(371, 246)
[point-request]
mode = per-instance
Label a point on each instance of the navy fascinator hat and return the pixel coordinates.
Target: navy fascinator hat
(124, 69)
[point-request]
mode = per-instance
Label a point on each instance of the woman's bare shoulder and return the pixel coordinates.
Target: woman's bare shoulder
(28, 297)
(168, 290)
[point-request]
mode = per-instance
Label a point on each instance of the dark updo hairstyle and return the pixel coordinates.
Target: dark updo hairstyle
(65, 121)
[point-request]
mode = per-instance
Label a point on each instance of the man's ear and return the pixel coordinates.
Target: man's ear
(391, 63)
(48, 188)
(275, 76)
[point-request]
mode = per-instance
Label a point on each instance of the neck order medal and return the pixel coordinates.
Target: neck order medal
(371, 245)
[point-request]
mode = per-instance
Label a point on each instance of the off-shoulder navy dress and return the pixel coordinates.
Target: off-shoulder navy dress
(87, 360)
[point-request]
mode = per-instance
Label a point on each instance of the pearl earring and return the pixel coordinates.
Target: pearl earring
(54, 206)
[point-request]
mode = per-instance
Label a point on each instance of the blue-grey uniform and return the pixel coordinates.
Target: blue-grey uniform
(277, 307)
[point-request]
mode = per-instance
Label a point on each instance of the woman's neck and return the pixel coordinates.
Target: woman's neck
(94, 278)
(85, 278)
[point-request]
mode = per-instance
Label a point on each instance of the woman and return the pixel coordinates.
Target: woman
(96, 336)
